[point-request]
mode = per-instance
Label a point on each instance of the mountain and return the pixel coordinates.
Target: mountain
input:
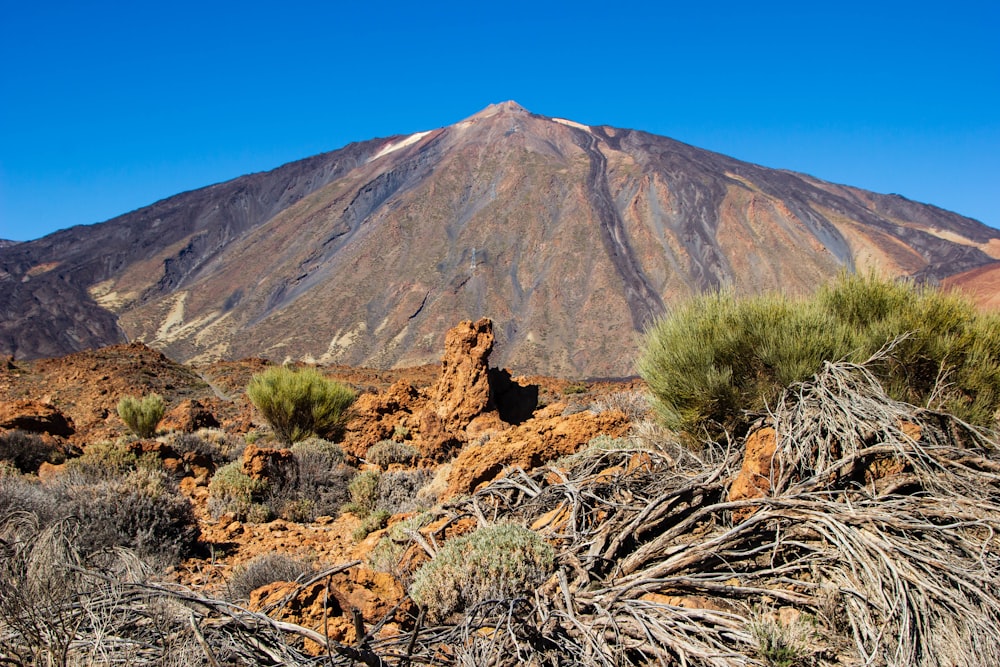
(570, 237)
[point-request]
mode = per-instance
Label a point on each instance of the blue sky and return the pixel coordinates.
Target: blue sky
(109, 106)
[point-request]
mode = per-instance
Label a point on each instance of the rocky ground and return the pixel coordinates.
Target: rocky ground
(469, 423)
(791, 545)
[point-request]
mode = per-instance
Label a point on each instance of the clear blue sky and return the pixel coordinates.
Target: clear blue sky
(108, 106)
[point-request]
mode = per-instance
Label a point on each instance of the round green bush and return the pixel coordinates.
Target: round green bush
(300, 403)
(232, 490)
(142, 415)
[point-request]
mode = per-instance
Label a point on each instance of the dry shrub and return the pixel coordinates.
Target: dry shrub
(263, 570)
(143, 511)
(28, 451)
(399, 491)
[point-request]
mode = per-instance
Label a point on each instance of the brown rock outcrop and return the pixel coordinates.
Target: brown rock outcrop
(463, 390)
(35, 417)
(270, 465)
(189, 416)
(529, 445)
(377, 416)
(754, 477)
(469, 392)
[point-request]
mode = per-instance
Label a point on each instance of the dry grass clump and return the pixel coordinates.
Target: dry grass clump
(263, 570)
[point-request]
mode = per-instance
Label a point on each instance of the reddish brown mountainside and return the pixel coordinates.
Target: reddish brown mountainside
(570, 237)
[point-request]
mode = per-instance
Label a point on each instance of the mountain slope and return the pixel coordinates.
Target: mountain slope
(571, 238)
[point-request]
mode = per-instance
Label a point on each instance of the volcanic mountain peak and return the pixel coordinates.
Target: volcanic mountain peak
(510, 106)
(571, 238)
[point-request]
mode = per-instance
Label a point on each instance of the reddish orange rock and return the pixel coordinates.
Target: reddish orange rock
(35, 417)
(754, 478)
(529, 445)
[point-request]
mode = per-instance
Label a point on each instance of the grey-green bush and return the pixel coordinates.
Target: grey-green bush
(300, 403)
(142, 415)
(363, 491)
(142, 510)
(398, 490)
(387, 452)
(715, 358)
(232, 490)
(494, 563)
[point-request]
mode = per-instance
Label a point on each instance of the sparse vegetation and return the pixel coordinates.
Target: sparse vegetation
(715, 358)
(399, 491)
(142, 415)
(386, 555)
(375, 520)
(300, 403)
(865, 534)
(27, 451)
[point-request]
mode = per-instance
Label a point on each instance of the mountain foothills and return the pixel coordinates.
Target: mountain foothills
(572, 238)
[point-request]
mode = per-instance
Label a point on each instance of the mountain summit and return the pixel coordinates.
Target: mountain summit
(572, 238)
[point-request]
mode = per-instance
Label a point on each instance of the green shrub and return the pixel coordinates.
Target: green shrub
(363, 491)
(386, 452)
(300, 403)
(263, 570)
(142, 416)
(376, 520)
(718, 356)
(109, 460)
(494, 563)
(232, 490)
